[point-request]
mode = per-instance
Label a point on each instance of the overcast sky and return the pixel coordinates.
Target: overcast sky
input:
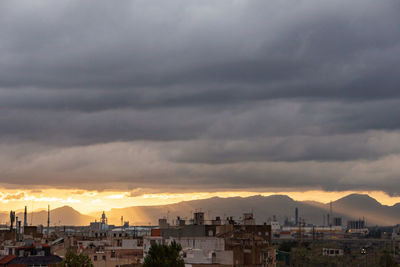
(186, 95)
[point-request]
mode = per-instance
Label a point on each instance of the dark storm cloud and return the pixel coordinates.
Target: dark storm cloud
(209, 92)
(304, 121)
(264, 49)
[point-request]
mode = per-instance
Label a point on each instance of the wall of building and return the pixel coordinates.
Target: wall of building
(205, 243)
(224, 257)
(197, 256)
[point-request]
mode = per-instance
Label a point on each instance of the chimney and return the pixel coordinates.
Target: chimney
(16, 230)
(19, 236)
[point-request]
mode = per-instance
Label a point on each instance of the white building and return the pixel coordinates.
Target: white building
(204, 250)
(332, 252)
(275, 226)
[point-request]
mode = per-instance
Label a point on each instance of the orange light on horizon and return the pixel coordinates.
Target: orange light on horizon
(93, 201)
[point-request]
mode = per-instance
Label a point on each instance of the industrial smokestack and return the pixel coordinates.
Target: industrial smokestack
(16, 229)
(12, 220)
(26, 217)
(19, 233)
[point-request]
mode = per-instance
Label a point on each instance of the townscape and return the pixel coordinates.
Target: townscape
(205, 242)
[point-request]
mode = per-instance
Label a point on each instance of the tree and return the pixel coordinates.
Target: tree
(75, 260)
(386, 259)
(164, 256)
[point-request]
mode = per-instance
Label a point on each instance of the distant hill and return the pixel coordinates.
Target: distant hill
(358, 206)
(353, 206)
(281, 206)
(60, 216)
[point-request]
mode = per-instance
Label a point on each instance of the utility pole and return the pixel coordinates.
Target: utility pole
(313, 232)
(330, 219)
(300, 234)
(48, 220)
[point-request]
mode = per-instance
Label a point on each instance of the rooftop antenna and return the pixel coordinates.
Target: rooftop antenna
(32, 213)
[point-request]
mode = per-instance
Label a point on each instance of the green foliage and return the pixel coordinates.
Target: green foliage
(164, 256)
(287, 246)
(386, 259)
(75, 260)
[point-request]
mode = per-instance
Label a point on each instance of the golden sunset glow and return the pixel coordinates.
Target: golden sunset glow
(91, 201)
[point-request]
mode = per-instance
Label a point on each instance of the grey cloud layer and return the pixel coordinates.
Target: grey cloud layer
(270, 91)
(142, 165)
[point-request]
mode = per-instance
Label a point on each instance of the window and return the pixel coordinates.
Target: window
(95, 258)
(112, 253)
(104, 257)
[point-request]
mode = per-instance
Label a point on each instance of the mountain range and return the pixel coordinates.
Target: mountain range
(353, 206)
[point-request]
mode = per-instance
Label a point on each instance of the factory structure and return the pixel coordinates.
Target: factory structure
(332, 227)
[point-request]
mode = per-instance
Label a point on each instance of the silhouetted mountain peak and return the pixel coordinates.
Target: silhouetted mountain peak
(65, 207)
(358, 200)
(280, 198)
(67, 210)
